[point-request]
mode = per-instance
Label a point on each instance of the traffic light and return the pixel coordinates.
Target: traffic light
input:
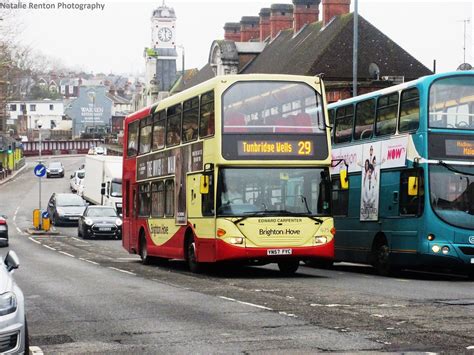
(10, 149)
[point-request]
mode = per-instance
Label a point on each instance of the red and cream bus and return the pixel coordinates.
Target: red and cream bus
(236, 168)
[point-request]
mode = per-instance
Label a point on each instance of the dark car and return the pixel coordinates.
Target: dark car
(100, 222)
(55, 168)
(65, 208)
(3, 231)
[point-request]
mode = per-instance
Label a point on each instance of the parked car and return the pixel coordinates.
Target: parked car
(97, 151)
(65, 208)
(76, 180)
(3, 231)
(13, 326)
(100, 221)
(55, 168)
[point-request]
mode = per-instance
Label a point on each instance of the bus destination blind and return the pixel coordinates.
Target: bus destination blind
(275, 148)
(459, 148)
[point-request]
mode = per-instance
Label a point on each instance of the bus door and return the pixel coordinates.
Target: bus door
(200, 208)
(133, 213)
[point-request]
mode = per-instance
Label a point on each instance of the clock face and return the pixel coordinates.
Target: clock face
(164, 34)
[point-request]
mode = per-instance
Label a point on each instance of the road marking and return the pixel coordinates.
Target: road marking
(246, 303)
(80, 240)
(470, 347)
(36, 350)
(14, 215)
(124, 271)
(34, 241)
(67, 254)
(47, 246)
(89, 261)
(19, 230)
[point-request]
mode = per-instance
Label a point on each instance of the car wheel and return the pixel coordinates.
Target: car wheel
(288, 267)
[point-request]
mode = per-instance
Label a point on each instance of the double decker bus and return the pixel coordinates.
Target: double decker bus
(236, 168)
(410, 152)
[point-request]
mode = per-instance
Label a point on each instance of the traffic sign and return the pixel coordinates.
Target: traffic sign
(40, 170)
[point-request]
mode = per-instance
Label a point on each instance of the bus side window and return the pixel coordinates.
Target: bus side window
(159, 123)
(157, 199)
(387, 112)
(364, 119)
(206, 115)
(207, 200)
(409, 110)
(343, 126)
(169, 198)
(190, 119)
(132, 140)
(411, 205)
(340, 198)
(145, 135)
(173, 125)
(144, 200)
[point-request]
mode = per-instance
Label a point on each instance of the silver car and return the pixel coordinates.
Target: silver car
(13, 326)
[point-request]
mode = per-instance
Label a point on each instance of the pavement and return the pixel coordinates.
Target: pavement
(15, 173)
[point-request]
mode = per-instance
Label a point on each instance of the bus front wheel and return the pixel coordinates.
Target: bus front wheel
(191, 259)
(288, 267)
(381, 257)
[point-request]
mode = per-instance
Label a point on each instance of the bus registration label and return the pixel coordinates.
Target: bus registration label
(279, 251)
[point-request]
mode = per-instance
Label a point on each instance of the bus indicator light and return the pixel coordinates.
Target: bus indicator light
(221, 232)
(431, 237)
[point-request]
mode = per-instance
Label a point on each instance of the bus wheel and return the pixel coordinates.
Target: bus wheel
(288, 267)
(146, 259)
(194, 266)
(382, 259)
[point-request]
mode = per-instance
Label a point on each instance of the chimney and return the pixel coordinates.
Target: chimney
(333, 8)
(232, 31)
(264, 23)
(305, 11)
(281, 18)
(249, 28)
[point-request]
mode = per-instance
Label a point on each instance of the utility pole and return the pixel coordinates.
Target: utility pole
(466, 21)
(355, 50)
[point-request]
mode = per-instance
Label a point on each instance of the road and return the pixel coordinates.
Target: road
(93, 297)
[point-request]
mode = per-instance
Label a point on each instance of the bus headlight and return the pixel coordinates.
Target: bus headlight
(237, 240)
(320, 239)
(445, 250)
(435, 248)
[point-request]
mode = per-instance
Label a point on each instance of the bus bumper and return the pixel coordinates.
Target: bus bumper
(225, 251)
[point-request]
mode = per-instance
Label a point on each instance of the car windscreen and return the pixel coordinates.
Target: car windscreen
(101, 212)
(69, 200)
(55, 165)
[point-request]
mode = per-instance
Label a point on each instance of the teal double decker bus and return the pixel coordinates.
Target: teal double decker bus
(409, 154)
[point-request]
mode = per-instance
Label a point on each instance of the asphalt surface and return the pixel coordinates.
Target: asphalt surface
(93, 297)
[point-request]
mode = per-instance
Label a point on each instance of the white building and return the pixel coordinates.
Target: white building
(50, 112)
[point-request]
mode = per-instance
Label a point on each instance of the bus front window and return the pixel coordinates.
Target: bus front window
(451, 103)
(452, 194)
(273, 191)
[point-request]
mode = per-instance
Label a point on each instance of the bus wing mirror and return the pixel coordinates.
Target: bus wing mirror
(204, 186)
(344, 179)
(412, 186)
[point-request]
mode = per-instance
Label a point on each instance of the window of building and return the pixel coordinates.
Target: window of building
(157, 199)
(173, 125)
(364, 119)
(145, 135)
(51, 107)
(190, 119)
(340, 198)
(387, 111)
(12, 107)
(169, 198)
(132, 139)
(32, 107)
(23, 108)
(206, 119)
(144, 200)
(343, 125)
(159, 121)
(411, 205)
(409, 110)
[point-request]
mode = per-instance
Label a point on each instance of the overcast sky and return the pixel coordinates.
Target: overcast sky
(113, 39)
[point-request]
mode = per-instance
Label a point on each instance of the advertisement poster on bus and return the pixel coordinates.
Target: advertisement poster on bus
(394, 152)
(369, 209)
(352, 155)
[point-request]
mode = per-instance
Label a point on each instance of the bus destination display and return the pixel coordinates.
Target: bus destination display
(459, 148)
(275, 148)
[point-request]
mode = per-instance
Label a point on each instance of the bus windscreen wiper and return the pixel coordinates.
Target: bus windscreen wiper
(453, 169)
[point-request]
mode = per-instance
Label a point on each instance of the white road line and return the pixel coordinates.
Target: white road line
(19, 230)
(36, 350)
(80, 240)
(67, 254)
(89, 261)
(34, 241)
(47, 246)
(246, 303)
(124, 271)
(470, 347)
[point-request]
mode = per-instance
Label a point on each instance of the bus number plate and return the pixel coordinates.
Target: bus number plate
(279, 252)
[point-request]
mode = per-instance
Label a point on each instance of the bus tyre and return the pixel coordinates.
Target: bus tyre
(146, 259)
(288, 267)
(382, 259)
(194, 266)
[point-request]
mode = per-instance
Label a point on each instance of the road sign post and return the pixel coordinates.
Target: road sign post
(40, 171)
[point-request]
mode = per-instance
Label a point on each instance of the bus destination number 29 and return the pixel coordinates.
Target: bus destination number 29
(275, 148)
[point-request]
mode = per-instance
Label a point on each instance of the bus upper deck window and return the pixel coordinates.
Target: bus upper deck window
(409, 110)
(387, 111)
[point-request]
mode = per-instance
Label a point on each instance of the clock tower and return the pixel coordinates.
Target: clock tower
(161, 56)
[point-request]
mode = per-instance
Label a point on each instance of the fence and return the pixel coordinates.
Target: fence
(59, 147)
